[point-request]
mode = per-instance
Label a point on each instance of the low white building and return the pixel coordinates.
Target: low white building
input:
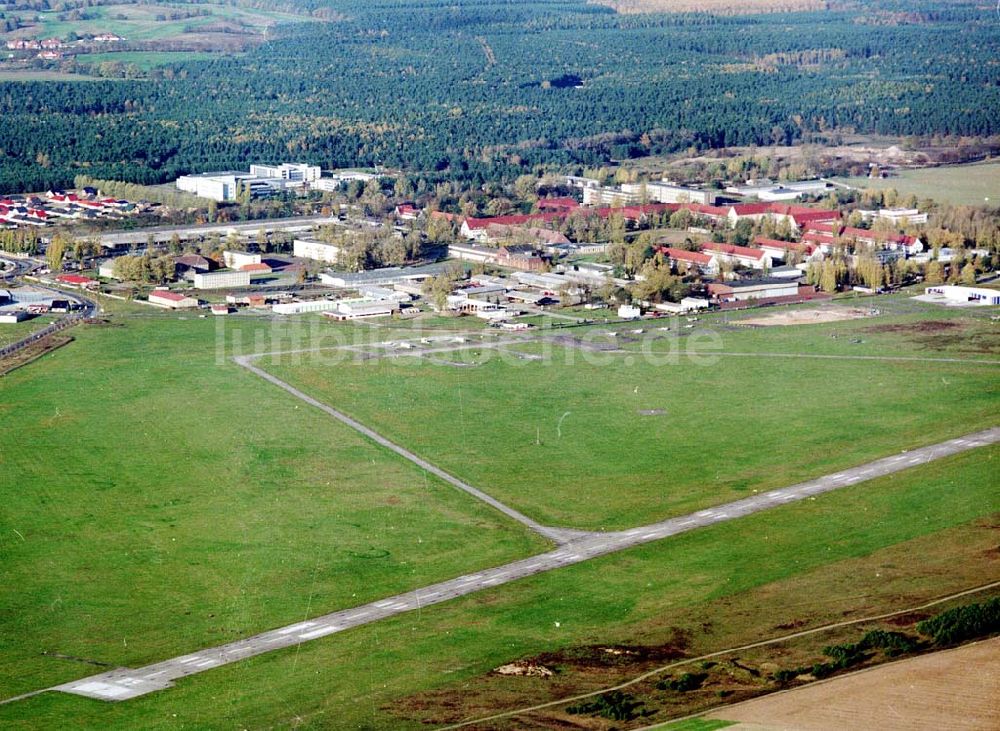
(298, 308)
(473, 252)
(316, 250)
(629, 312)
(9, 317)
(356, 309)
(767, 190)
(172, 300)
(221, 279)
(963, 295)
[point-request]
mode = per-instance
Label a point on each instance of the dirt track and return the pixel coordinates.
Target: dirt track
(953, 689)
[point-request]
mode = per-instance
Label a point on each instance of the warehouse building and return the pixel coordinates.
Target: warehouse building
(221, 279)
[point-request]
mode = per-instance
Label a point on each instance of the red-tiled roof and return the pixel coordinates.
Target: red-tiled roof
(75, 279)
(731, 250)
(762, 242)
(557, 204)
(820, 239)
(166, 295)
(260, 267)
(516, 220)
(694, 257)
(705, 210)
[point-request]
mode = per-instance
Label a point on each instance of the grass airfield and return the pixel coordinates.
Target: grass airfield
(167, 500)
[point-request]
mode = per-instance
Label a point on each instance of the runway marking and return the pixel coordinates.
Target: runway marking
(294, 628)
(319, 632)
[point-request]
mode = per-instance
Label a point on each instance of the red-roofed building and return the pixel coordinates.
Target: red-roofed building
(827, 234)
(782, 249)
(257, 268)
(173, 300)
(712, 213)
(76, 280)
(682, 259)
(796, 216)
(407, 212)
(478, 228)
(562, 205)
(742, 255)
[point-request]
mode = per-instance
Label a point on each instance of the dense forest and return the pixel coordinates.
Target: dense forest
(476, 89)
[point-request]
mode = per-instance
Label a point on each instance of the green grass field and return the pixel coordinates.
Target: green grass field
(563, 438)
(844, 553)
(155, 502)
(968, 185)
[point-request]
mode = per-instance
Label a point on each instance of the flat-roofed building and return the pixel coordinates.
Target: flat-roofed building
(293, 172)
(221, 279)
(663, 191)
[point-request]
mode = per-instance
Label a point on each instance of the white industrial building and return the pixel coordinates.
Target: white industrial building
(317, 250)
(228, 185)
(769, 191)
(262, 180)
(896, 216)
(382, 277)
(664, 191)
(239, 259)
(355, 309)
(221, 279)
(955, 295)
(292, 172)
(298, 308)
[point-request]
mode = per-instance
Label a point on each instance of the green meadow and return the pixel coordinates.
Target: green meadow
(811, 563)
(155, 501)
(683, 420)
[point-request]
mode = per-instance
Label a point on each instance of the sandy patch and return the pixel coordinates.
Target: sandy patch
(953, 689)
(807, 317)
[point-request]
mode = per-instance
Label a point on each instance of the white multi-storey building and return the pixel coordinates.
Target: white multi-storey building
(317, 250)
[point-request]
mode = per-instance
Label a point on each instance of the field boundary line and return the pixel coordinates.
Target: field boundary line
(742, 648)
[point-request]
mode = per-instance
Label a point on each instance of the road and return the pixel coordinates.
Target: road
(575, 546)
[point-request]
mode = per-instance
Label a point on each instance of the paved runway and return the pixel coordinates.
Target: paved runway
(124, 683)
